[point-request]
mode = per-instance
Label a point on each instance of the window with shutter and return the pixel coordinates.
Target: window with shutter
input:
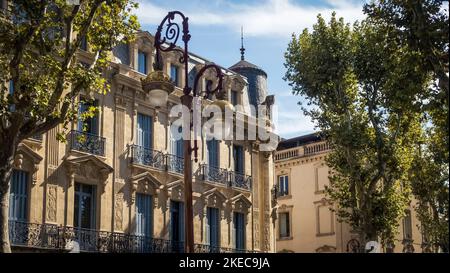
(213, 153)
(18, 197)
(212, 227)
(283, 185)
(85, 206)
(238, 156)
(177, 225)
(144, 215)
(91, 123)
(144, 131)
(142, 62)
(284, 225)
(239, 230)
(174, 74)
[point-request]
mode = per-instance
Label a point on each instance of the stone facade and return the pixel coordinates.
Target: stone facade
(110, 165)
(313, 227)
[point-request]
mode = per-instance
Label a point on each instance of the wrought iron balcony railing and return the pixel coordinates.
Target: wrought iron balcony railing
(242, 181)
(147, 157)
(227, 178)
(50, 236)
(215, 175)
(88, 143)
(175, 163)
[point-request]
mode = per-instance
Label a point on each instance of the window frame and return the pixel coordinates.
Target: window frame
(143, 66)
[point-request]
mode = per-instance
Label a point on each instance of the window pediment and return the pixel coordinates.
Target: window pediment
(240, 203)
(145, 182)
(214, 198)
(89, 166)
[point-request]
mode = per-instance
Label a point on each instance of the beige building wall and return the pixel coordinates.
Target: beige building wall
(313, 226)
(56, 167)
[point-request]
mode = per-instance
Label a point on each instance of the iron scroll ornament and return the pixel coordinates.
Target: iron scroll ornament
(171, 36)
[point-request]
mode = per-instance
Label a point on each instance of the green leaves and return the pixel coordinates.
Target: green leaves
(39, 54)
(368, 87)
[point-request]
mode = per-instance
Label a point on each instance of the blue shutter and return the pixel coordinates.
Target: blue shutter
(213, 153)
(212, 227)
(174, 74)
(177, 144)
(18, 198)
(144, 131)
(143, 215)
(281, 185)
(239, 229)
(142, 62)
(238, 156)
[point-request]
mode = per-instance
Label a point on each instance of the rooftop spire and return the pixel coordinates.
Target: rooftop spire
(242, 43)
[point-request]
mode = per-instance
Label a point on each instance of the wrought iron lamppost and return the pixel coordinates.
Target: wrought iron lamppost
(158, 86)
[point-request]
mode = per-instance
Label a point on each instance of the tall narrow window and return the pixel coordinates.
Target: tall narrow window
(177, 225)
(239, 230)
(407, 226)
(91, 122)
(84, 207)
(283, 185)
(238, 156)
(174, 74)
(144, 215)
(234, 97)
(212, 227)
(18, 197)
(177, 144)
(144, 131)
(213, 152)
(284, 225)
(142, 62)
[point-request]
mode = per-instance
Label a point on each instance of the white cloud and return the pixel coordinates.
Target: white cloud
(290, 121)
(270, 18)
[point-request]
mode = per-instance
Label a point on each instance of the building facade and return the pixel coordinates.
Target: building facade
(305, 222)
(118, 185)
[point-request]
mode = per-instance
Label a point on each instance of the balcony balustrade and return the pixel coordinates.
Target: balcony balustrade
(147, 157)
(88, 143)
(175, 163)
(54, 237)
(226, 178)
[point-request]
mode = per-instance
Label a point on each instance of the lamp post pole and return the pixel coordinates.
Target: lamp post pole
(168, 43)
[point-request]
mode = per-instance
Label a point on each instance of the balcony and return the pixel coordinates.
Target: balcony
(302, 151)
(215, 175)
(175, 164)
(226, 178)
(88, 143)
(242, 181)
(147, 157)
(54, 237)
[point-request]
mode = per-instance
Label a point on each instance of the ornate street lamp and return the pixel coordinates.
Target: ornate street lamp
(158, 87)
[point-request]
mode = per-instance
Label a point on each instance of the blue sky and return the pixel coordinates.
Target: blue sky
(268, 24)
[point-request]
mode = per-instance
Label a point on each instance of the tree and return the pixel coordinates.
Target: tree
(423, 25)
(363, 98)
(430, 184)
(39, 46)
